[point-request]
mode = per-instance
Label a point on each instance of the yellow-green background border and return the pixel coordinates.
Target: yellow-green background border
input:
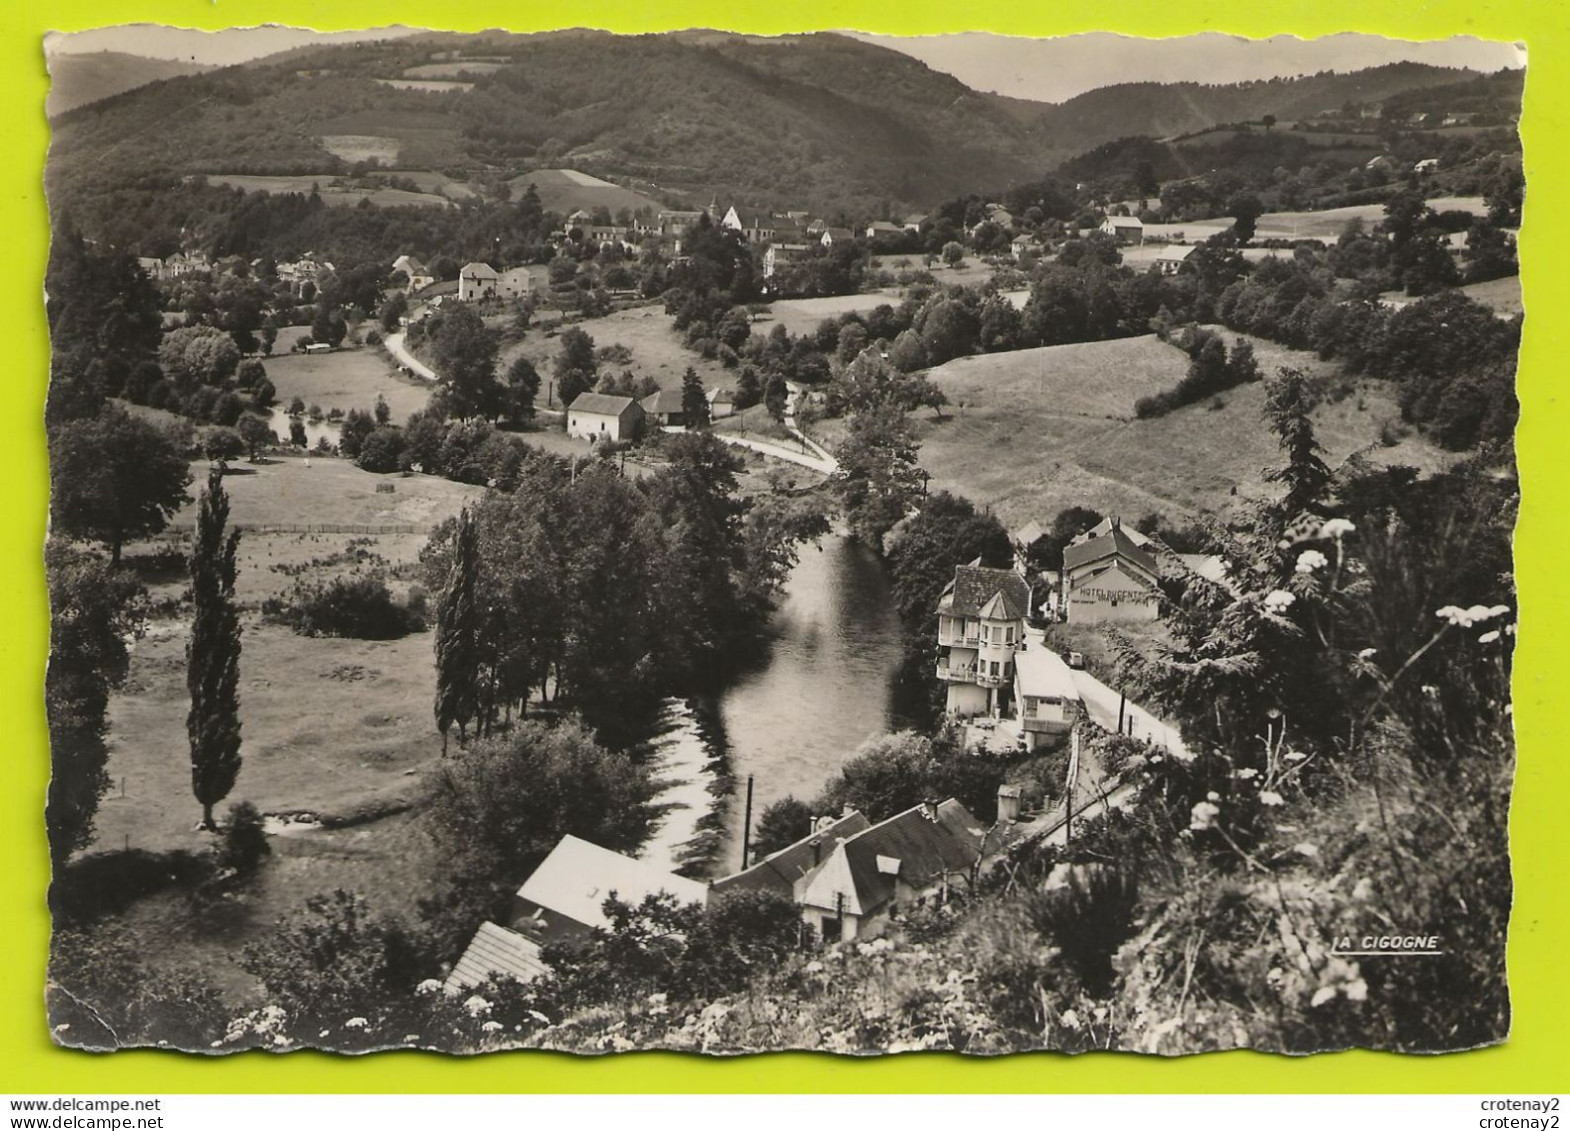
(1535, 1059)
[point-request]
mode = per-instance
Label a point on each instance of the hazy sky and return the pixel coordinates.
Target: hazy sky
(1044, 69)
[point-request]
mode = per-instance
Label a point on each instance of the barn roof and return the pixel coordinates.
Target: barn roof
(781, 871)
(918, 846)
(495, 952)
(577, 877)
(1117, 542)
(663, 401)
(602, 403)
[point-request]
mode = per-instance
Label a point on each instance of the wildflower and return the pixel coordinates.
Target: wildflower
(1336, 528)
(1203, 816)
(1247, 773)
(1212, 796)
(477, 1005)
(1294, 755)
(1278, 601)
(428, 987)
(1270, 797)
(540, 1017)
(1430, 690)
(1455, 615)
(1367, 653)
(1363, 889)
(491, 1027)
(1310, 560)
(356, 1023)
(1070, 1018)
(1306, 849)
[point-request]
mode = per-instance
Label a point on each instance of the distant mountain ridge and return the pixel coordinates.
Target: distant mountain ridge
(820, 121)
(80, 80)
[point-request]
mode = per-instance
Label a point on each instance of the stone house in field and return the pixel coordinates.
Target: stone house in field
(1111, 575)
(477, 281)
(1170, 259)
(1124, 229)
(519, 282)
(599, 416)
(910, 859)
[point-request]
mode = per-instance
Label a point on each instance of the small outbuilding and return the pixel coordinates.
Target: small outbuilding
(599, 416)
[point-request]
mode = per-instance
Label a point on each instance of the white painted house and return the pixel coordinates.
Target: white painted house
(598, 416)
(477, 281)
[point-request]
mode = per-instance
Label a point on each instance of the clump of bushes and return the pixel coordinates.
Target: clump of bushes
(362, 608)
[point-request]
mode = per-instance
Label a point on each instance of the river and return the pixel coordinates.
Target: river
(821, 688)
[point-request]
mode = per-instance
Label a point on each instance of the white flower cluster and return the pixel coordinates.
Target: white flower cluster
(1310, 560)
(1336, 528)
(1466, 618)
(1278, 601)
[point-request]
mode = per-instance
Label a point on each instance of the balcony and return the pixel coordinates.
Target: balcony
(988, 680)
(951, 639)
(957, 673)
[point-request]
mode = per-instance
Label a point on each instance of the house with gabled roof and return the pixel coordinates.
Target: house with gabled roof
(663, 407)
(495, 953)
(788, 871)
(1124, 229)
(477, 281)
(1110, 574)
(599, 416)
(418, 274)
(981, 621)
(1046, 697)
(912, 858)
(565, 896)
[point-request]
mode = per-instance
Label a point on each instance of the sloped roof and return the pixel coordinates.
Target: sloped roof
(974, 586)
(577, 877)
(602, 403)
(1040, 671)
(1117, 542)
(1125, 221)
(721, 396)
(1176, 253)
(1028, 535)
(915, 846)
(1135, 535)
(662, 401)
(781, 871)
(478, 271)
(495, 952)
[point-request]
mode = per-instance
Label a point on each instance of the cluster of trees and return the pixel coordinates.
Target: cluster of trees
(1212, 369)
(581, 587)
(360, 607)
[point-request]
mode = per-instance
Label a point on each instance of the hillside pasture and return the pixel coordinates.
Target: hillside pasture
(564, 191)
(345, 379)
(802, 315)
(1326, 224)
(427, 86)
(1054, 429)
(331, 188)
(355, 148)
(451, 70)
(646, 331)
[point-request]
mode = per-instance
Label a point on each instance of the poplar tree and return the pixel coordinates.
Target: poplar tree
(458, 636)
(213, 654)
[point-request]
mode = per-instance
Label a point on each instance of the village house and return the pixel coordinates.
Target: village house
(663, 408)
(519, 282)
(788, 871)
(981, 621)
(1025, 245)
(477, 281)
(754, 226)
(780, 254)
(913, 221)
(722, 403)
(1110, 575)
(832, 236)
(565, 896)
(1046, 698)
(883, 230)
(1124, 229)
(1170, 259)
(1426, 165)
(919, 855)
(418, 274)
(562, 900)
(598, 416)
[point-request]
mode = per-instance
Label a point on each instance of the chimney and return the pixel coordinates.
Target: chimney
(929, 810)
(817, 851)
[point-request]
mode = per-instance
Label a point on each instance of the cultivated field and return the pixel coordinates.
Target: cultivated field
(656, 347)
(332, 192)
(1502, 296)
(1323, 225)
(451, 70)
(1053, 429)
(355, 148)
(567, 190)
(349, 378)
(970, 272)
(426, 86)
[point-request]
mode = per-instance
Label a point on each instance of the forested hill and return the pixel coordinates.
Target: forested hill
(77, 80)
(819, 122)
(1165, 109)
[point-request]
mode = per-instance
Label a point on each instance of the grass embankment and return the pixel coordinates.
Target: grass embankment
(1048, 428)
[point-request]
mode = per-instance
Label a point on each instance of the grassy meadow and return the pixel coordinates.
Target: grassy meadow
(345, 379)
(656, 347)
(1044, 429)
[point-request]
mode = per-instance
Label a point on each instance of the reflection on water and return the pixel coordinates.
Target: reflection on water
(821, 688)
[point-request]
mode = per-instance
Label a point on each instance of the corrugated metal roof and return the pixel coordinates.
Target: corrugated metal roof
(577, 877)
(495, 952)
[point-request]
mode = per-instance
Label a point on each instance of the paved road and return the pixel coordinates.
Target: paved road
(778, 451)
(394, 344)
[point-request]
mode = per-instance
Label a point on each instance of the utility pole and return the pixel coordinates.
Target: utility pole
(1068, 787)
(746, 827)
